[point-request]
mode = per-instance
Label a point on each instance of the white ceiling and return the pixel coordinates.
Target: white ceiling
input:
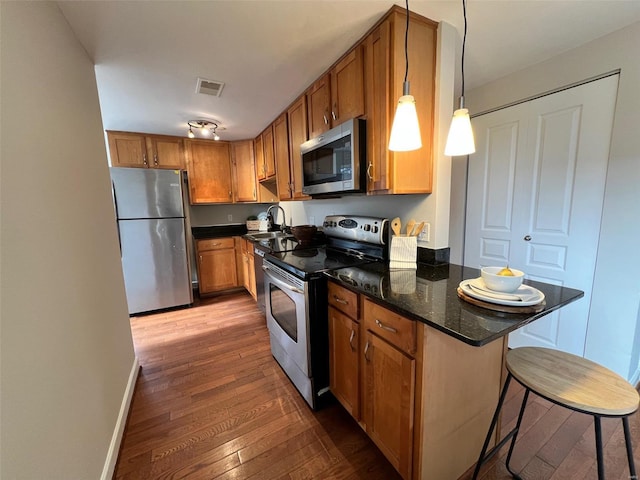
(149, 54)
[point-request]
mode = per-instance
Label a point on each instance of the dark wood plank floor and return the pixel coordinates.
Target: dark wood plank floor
(211, 402)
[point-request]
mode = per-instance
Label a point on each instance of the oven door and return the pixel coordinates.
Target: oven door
(286, 301)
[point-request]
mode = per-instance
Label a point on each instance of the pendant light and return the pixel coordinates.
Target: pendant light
(460, 140)
(405, 131)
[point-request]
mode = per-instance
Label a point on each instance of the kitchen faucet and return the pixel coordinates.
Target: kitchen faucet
(283, 225)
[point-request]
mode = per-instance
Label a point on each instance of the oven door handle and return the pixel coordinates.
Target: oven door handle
(279, 282)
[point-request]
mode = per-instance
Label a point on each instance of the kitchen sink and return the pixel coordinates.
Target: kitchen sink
(267, 235)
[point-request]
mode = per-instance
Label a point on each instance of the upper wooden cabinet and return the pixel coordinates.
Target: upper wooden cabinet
(399, 172)
(265, 156)
(209, 167)
(243, 171)
(298, 134)
(129, 149)
(282, 158)
(338, 95)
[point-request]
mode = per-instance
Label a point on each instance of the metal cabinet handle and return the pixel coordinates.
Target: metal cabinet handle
(155, 159)
(353, 334)
(385, 327)
(527, 238)
(144, 159)
(340, 300)
(326, 120)
(369, 171)
(333, 115)
(366, 349)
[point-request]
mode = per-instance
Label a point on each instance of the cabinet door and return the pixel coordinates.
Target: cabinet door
(244, 171)
(217, 269)
(281, 149)
(297, 116)
(165, 152)
(344, 361)
(378, 50)
(252, 273)
(389, 401)
(241, 254)
(318, 102)
(127, 150)
(347, 87)
(269, 156)
(209, 172)
(261, 170)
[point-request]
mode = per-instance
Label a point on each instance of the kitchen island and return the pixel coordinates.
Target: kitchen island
(419, 368)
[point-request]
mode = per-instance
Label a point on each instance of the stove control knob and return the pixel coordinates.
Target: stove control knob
(367, 228)
(374, 229)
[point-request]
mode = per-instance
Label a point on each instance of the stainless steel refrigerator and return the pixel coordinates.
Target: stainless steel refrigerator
(151, 228)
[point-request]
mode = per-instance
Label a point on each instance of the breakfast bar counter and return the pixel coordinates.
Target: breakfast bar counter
(419, 367)
(429, 295)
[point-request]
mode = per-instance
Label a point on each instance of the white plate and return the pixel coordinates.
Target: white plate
(532, 296)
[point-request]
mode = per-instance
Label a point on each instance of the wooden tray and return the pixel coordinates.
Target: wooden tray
(501, 308)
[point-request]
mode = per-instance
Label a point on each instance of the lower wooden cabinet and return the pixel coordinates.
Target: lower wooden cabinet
(344, 360)
(389, 391)
(216, 265)
(248, 268)
(373, 372)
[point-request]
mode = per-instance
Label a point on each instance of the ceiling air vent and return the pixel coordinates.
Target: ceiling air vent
(209, 87)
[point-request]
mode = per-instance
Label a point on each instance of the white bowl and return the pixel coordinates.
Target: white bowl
(501, 283)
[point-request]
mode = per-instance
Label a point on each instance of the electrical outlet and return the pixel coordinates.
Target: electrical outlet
(230, 217)
(425, 235)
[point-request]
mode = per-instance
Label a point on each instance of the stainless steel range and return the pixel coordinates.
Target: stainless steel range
(296, 296)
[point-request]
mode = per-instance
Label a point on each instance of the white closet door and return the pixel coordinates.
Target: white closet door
(535, 194)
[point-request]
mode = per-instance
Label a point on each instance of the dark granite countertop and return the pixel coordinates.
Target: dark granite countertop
(429, 294)
(219, 231)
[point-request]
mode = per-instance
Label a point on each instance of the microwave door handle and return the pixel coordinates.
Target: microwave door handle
(279, 282)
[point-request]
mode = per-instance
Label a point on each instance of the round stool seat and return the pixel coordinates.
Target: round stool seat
(573, 381)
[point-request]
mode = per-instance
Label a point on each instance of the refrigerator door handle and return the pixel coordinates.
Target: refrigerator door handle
(115, 207)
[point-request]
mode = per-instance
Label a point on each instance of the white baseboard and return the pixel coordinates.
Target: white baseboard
(114, 447)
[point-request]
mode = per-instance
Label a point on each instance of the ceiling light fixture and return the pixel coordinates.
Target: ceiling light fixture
(206, 128)
(460, 140)
(405, 131)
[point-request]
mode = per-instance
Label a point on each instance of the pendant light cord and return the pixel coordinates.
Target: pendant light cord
(464, 40)
(406, 45)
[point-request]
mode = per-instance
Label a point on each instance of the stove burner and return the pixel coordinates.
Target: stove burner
(302, 251)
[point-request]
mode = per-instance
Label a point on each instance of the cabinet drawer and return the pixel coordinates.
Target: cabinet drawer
(396, 329)
(344, 300)
(215, 244)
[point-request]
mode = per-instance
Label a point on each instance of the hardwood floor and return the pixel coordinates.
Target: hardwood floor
(211, 402)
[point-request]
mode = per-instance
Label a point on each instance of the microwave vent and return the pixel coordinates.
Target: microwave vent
(209, 87)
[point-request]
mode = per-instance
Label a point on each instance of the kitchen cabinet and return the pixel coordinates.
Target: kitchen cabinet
(248, 267)
(399, 172)
(375, 377)
(243, 171)
(209, 169)
(130, 149)
(216, 264)
(291, 127)
(282, 157)
(265, 158)
(297, 117)
(338, 95)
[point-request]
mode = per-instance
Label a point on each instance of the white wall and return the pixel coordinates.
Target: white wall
(66, 350)
(612, 337)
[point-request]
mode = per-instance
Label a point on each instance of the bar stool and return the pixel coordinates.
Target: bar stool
(572, 382)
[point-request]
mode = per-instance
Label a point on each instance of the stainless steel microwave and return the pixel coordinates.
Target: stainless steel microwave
(334, 162)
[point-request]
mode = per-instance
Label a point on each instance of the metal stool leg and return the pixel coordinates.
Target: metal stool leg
(596, 423)
(627, 441)
(482, 458)
(515, 434)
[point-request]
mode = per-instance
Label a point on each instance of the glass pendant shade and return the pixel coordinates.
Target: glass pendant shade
(405, 131)
(460, 140)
